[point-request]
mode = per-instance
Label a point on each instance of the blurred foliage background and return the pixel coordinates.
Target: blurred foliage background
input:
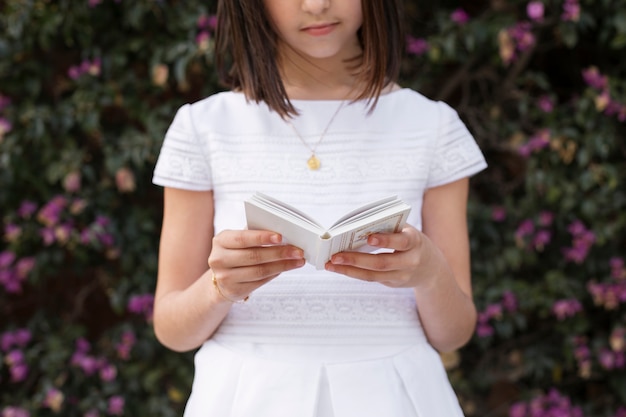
(88, 88)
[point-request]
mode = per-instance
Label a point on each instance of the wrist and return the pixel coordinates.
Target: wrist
(218, 292)
(433, 266)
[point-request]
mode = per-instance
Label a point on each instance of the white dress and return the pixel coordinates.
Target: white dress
(312, 343)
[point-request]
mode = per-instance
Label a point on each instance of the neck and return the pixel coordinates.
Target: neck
(309, 78)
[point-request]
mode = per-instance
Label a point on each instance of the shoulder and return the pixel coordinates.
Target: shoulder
(222, 112)
(218, 104)
(414, 108)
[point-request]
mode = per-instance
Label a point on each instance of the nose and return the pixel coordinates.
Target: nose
(315, 6)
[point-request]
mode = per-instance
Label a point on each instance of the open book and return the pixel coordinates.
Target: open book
(349, 233)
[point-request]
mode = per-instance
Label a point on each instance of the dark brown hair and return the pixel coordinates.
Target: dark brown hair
(246, 51)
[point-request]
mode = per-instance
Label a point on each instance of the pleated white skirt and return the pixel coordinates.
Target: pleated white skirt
(238, 379)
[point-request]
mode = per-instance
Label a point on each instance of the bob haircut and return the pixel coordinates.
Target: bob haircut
(246, 51)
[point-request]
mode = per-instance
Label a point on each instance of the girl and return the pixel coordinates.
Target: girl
(314, 118)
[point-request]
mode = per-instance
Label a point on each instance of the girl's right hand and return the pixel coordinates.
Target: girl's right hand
(243, 260)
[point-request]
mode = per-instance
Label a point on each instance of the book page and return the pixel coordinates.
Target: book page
(285, 210)
(362, 210)
(352, 239)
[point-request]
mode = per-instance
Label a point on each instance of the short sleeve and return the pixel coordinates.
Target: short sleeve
(183, 161)
(456, 154)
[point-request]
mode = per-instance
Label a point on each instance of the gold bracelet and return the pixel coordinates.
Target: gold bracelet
(219, 291)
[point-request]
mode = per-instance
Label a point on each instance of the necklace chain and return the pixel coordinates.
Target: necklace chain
(313, 162)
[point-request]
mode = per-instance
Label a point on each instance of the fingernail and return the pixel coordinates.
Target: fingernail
(337, 260)
(374, 241)
(330, 267)
(296, 254)
(275, 239)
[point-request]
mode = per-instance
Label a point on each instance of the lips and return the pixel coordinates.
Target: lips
(319, 29)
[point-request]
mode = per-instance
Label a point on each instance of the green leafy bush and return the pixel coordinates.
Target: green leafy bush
(87, 90)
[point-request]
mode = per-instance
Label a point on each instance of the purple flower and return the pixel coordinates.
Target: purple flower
(82, 345)
(126, 344)
(93, 3)
(484, 330)
(74, 72)
(552, 404)
(4, 102)
(582, 240)
(92, 413)
(108, 373)
(546, 104)
(24, 266)
(459, 16)
(116, 405)
(72, 182)
(518, 410)
(541, 239)
(14, 357)
(7, 340)
(87, 363)
(12, 232)
(494, 311)
(526, 228)
(606, 358)
(63, 232)
(22, 337)
(546, 218)
(416, 46)
(617, 340)
(202, 39)
(6, 259)
(509, 301)
(5, 127)
(617, 268)
(498, 213)
(594, 79)
(538, 141)
(27, 208)
(54, 400)
(102, 221)
(106, 239)
(563, 309)
(78, 206)
(50, 213)
(203, 21)
(571, 11)
(522, 36)
(141, 304)
(10, 281)
(14, 412)
(535, 10)
(48, 235)
(19, 372)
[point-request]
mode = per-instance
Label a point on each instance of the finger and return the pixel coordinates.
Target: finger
(394, 278)
(254, 256)
(402, 241)
(239, 239)
(255, 274)
(382, 262)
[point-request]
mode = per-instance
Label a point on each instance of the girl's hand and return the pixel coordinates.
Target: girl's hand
(414, 261)
(243, 260)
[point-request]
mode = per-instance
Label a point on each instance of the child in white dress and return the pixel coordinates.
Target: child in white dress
(314, 118)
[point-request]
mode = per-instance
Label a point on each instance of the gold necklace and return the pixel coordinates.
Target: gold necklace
(314, 162)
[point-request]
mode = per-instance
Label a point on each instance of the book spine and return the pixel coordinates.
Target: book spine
(322, 252)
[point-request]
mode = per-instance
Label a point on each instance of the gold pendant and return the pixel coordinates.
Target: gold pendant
(314, 163)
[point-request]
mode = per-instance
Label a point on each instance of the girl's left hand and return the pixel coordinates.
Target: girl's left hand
(413, 262)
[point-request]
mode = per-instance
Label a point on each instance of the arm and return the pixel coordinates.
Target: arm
(434, 262)
(446, 301)
(187, 307)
